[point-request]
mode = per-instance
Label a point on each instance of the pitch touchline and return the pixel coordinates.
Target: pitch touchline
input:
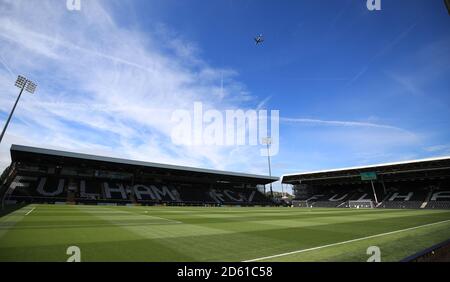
(30, 211)
(345, 242)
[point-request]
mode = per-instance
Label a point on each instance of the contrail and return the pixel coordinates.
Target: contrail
(340, 123)
(6, 66)
(69, 45)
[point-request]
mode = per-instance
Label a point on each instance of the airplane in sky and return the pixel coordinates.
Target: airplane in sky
(259, 39)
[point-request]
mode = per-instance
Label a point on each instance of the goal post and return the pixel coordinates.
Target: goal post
(364, 204)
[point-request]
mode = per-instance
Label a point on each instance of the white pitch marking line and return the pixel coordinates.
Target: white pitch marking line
(170, 220)
(30, 211)
(345, 242)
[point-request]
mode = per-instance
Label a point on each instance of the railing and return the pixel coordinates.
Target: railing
(439, 252)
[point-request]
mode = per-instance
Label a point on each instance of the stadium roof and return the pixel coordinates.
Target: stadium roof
(394, 168)
(24, 153)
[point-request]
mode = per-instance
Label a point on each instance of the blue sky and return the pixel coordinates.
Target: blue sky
(353, 87)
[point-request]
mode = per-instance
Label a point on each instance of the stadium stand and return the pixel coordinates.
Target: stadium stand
(408, 198)
(48, 176)
(439, 199)
(404, 185)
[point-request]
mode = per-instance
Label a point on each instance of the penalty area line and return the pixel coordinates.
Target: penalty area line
(30, 211)
(346, 242)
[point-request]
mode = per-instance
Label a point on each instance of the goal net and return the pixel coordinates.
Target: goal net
(366, 204)
(300, 204)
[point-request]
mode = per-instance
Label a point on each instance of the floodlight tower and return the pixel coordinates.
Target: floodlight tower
(268, 141)
(24, 84)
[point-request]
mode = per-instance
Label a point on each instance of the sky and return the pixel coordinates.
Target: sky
(352, 86)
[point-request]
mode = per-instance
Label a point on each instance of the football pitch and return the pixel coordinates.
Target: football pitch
(113, 233)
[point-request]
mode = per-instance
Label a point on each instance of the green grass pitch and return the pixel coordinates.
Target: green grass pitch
(108, 233)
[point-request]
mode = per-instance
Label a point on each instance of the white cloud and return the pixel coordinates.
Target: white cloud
(442, 149)
(340, 123)
(107, 90)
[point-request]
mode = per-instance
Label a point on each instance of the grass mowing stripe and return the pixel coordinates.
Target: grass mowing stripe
(346, 242)
(8, 221)
(166, 219)
(115, 233)
(154, 216)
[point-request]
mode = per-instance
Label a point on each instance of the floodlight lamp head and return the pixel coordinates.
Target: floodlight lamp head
(21, 81)
(25, 84)
(31, 87)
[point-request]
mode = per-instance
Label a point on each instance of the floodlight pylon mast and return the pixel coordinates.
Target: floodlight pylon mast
(268, 141)
(22, 83)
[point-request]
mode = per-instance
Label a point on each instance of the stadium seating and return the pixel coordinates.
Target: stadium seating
(401, 204)
(336, 197)
(325, 204)
(404, 198)
(52, 190)
(438, 205)
(409, 197)
(439, 199)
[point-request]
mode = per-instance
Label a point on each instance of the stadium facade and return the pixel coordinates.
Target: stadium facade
(411, 184)
(39, 175)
